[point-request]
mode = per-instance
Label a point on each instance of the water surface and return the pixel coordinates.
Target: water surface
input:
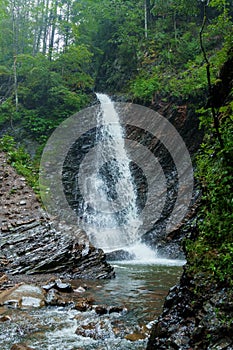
(140, 288)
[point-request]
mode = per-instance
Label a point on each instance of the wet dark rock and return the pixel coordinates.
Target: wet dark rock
(84, 304)
(101, 309)
(195, 316)
(43, 248)
(120, 254)
(117, 309)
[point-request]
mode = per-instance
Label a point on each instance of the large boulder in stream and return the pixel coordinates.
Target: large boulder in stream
(31, 242)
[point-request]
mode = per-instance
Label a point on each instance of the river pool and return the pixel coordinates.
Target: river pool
(139, 288)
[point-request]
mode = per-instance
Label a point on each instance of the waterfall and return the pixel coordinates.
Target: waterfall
(110, 214)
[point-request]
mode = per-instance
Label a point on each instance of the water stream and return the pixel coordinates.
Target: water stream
(140, 289)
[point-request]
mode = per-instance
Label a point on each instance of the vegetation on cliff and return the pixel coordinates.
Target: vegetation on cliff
(211, 252)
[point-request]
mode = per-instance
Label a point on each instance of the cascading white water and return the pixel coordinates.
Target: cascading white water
(110, 213)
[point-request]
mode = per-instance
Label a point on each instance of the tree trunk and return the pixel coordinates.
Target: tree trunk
(53, 29)
(45, 26)
(15, 53)
(146, 19)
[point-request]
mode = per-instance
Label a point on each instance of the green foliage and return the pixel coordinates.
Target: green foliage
(212, 252)
(180, 67)
(48, 92)
(20, 160)
(7, 111)
(144, 86)
(74, 65)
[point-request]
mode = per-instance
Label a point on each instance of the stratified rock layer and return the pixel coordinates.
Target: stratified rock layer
(31, 243)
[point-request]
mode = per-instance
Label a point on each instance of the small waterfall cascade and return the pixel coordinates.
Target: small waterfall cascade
(110, 214)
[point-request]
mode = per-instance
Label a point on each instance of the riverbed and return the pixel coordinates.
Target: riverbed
(140, 290)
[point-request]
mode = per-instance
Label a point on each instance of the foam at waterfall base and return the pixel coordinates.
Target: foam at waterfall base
(142, 254)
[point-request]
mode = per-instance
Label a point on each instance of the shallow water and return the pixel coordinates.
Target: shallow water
(140, 288)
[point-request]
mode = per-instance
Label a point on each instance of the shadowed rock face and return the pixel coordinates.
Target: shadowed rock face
(31, 243)
(193, 317)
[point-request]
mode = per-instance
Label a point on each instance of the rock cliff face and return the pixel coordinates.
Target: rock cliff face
(32, 243)
(194, 317)
(182, 116)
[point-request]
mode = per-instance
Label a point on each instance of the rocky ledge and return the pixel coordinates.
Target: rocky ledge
(32, 243)
(197, 315)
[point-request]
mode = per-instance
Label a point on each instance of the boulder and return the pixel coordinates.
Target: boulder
(119, 255)
(23, 296)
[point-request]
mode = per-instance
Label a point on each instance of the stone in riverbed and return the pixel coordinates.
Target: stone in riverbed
(63, 287)
(120, 255)
(23, 296)
(21, 347)
(135, 336)
(3, 279)
(117, 309)
(100, 329)
(84, 304)
(80, 290)
(54, 298)
(5, 318)
(100, 309)
(59, 285)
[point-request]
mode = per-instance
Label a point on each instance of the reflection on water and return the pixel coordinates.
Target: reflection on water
(140, 288)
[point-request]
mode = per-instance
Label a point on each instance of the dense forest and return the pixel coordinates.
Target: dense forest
(55, 54)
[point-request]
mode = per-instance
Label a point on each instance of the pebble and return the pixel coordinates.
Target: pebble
(5, 318)
(135, 336)
(80, 290)
(20, 347)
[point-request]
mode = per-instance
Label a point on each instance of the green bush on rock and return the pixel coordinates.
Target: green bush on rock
(20, 160)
